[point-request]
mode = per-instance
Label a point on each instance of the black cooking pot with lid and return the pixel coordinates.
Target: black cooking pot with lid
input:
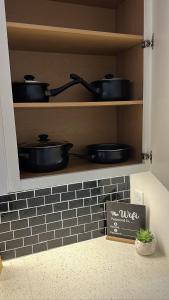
(108, 153)
(44, 156)
(31, 90)
(107, 89)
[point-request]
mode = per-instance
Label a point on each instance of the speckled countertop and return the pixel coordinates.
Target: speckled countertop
(91, 270)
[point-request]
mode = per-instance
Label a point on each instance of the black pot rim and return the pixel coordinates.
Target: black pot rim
(117, 147)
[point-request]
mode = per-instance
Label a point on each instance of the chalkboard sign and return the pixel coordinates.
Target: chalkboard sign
(124, 220)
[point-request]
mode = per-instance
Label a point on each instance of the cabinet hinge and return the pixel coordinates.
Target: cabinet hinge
(148, 43)
(147, 156)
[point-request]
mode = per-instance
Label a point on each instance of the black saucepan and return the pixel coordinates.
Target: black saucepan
(108, 153)
(44, 156)
(34, 91)
(107, 89)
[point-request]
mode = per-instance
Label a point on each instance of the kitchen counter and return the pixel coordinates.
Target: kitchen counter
(91, 270)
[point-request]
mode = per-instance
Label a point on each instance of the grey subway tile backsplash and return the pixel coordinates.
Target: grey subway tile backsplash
(9, 216)
(75, 186)
(6, 236)
(19, 224)
(37, 220)
(14, 244)
(59, 189)
(83, 211)
(104, 182)
(16, 205)
(34, 221)
(43, 210)
(8, 198)
(69, 240)
(26, 213)
(89, 184)
(54, 243)
(23, 251)
(67, 214)
(76, 203)
(38, 229)
(22, 233)
(70, 222)
(43, 192)
(4, 227)
(97, 191)
(39, 247)
(54, 225)
(24, 195)
(83, 193)
(32, 202)
(52, 198)
(84, 236)
(61, 206)
(77, 229)
(30, 240)
(3, 207)
(53, 217)
(8, 254)
(62, 232)
(46, 236)
(67, 196)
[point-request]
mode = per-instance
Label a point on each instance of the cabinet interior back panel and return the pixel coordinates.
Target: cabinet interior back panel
(79, 126)
(44, 12)
(55, 69)
(130, 17)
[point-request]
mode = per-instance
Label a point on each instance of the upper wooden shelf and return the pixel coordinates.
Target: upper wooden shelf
(49, 105)
(65, 40)
(105, 3)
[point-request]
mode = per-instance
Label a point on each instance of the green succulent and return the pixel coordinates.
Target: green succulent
(145, 236)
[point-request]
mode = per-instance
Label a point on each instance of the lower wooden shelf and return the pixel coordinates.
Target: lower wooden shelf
(78, 165)
(48, 105)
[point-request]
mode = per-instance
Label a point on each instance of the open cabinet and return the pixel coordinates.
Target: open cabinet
(51, 39)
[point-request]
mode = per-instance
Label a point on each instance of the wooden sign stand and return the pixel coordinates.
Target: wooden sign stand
(122, 240)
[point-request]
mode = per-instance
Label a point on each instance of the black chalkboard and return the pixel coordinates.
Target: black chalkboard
(124, 220)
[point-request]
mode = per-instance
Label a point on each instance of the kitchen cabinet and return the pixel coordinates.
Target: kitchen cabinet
(51, 39)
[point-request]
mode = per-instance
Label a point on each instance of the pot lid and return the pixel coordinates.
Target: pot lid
(30, 79)
(44, 142)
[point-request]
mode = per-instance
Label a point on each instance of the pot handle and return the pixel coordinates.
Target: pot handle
(23, 155)
(68, 146)
(87, 85)
(56, 91)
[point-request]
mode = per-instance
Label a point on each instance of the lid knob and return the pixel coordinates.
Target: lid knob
(43, 138)
(29, 78)
(109, 76)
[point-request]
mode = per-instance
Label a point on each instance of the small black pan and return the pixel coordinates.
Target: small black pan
(108, 153)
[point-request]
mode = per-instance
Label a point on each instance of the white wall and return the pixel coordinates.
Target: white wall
(156, 199)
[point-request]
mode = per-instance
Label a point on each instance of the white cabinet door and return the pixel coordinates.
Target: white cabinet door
(160, 92)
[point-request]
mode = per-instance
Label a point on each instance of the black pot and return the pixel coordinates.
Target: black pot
(34, 91)
(108, 153)
(44, 156)
(108, 88)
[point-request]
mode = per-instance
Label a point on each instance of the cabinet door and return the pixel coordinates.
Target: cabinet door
(160, 92)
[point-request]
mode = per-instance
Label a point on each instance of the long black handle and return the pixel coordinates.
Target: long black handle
(56, 91)
(87, 85)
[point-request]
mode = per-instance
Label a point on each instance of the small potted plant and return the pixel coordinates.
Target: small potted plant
(145, 242)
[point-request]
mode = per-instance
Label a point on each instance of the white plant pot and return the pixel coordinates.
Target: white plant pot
(145, 248)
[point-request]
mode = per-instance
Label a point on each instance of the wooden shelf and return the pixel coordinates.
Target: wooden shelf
(113, 4)
(65, 40)
(50, 105)
(77, 165)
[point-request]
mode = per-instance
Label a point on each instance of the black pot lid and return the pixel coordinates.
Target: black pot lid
(30, 79)
(108, 147)
(44, 142)
(109, 78)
